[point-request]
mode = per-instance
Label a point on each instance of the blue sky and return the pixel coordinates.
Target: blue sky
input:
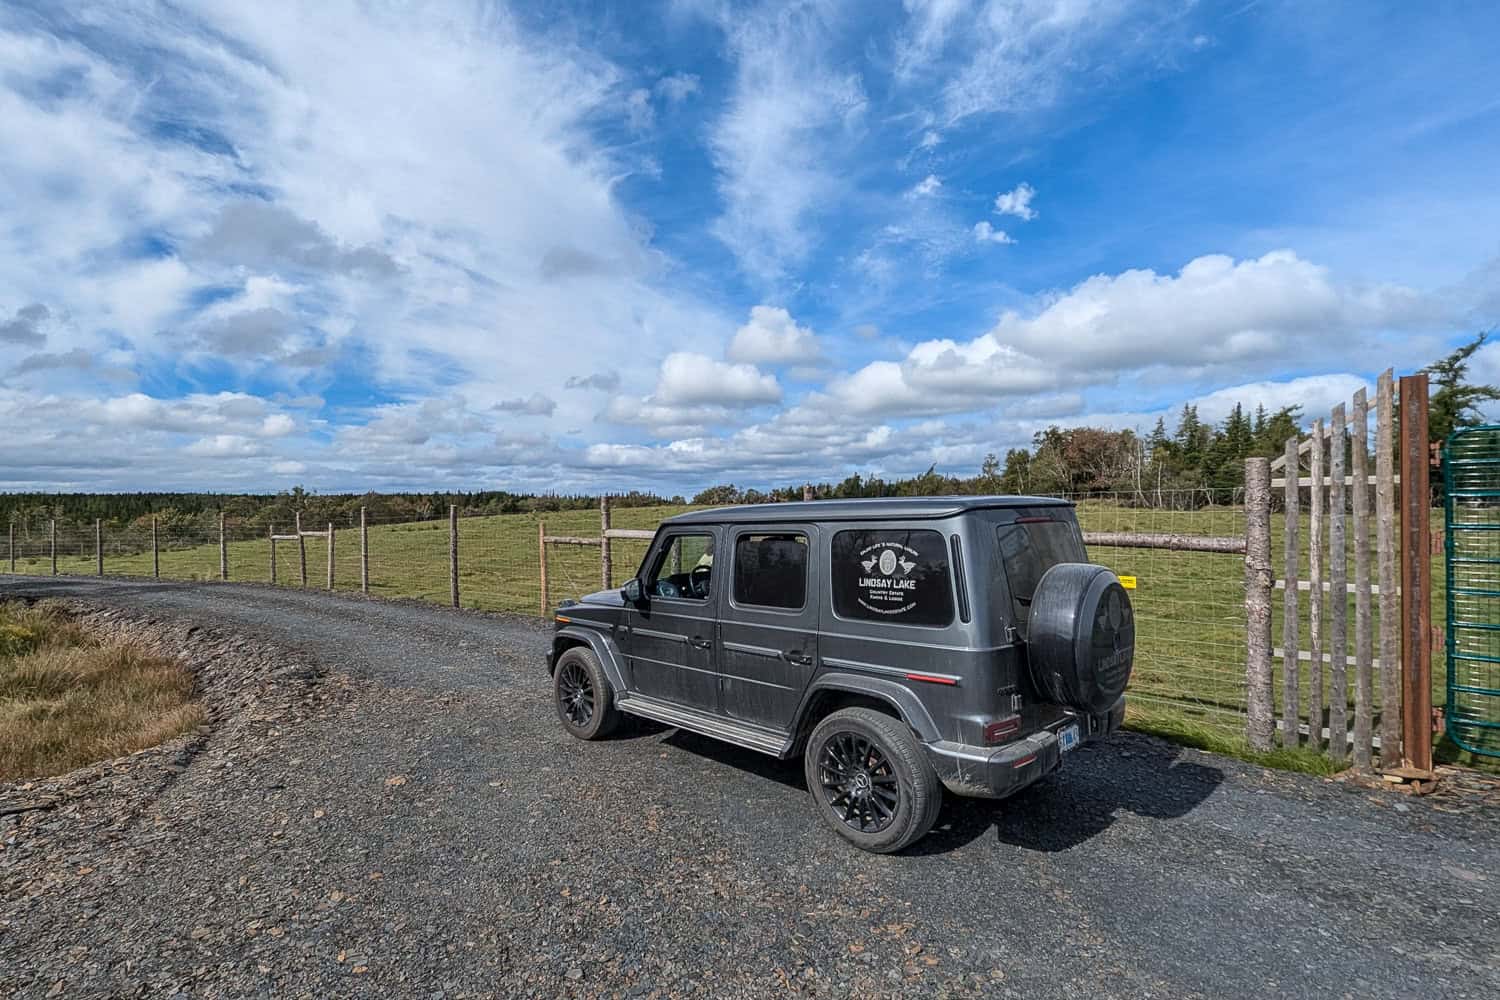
(579, 246)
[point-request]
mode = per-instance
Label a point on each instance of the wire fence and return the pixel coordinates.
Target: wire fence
(1190, 659)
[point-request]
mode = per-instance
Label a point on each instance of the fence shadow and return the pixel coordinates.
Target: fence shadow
(1078, 803)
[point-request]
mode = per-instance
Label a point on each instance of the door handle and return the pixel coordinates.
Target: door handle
(699, 642)
(798, 657)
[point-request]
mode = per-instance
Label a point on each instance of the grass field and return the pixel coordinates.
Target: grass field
(66, 700)
(1190, 661)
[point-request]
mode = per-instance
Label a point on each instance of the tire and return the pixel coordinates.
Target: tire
(901, 783)
(581, 694)
(1081, 637)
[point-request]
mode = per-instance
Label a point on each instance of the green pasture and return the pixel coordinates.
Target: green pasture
(1190, 605)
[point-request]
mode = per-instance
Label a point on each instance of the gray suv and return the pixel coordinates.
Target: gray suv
(898, 645)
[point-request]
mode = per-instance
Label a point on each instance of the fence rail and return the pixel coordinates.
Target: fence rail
(1185, 550)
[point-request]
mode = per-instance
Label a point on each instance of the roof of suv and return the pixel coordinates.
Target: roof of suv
(867, 509)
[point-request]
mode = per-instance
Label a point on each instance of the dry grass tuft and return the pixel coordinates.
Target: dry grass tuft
(67, 700)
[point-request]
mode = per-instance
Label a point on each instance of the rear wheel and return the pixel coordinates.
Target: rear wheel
(582, 695)
(871, 781)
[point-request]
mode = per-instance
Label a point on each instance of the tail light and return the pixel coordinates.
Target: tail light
(999, 732)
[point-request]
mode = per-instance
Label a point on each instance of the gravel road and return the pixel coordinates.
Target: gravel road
(432, 832)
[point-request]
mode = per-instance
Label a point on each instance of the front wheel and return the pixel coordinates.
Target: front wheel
(871, 781)
(582, 695)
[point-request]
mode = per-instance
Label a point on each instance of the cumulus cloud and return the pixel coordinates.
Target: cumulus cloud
(688, 379)
(1216, 310)
(986, 233)
(1017, 202)
(535, 405)
(272, 238)
(608, 381)
(77, 359)
(25, 327)
(772, 337)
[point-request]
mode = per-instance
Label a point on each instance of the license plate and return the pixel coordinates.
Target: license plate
(1067, 737)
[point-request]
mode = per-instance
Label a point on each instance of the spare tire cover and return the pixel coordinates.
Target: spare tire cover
(1081, 637)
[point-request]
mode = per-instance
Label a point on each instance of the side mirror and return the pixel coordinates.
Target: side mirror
(632, 592)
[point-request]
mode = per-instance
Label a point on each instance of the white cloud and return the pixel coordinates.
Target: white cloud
(678, 87)
(1215, 311)
(787, 114)
(1316, 394)
(536, 405)
(926, 187)
(638, 109)
(1017, 202)
(986, 233)
(771, 337)
(688, 379)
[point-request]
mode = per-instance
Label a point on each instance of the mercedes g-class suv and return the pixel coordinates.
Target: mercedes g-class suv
(898, 645)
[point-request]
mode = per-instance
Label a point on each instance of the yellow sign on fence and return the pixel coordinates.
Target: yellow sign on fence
(1128, 582)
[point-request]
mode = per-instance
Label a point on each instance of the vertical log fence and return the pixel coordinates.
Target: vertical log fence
(1337, 502)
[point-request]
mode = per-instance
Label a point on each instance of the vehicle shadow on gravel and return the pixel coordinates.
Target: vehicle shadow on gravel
(1077, 804)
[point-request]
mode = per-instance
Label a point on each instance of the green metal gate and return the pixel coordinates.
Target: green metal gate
(1471, 480)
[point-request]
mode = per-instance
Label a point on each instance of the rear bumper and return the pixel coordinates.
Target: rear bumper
(986, 772)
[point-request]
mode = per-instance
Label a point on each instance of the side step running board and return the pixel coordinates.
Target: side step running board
(749, 737)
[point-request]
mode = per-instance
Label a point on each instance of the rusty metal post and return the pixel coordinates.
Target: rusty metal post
(453, 552)
(606, 557)
(1416, 577)
(1258, 581)
(99, 546)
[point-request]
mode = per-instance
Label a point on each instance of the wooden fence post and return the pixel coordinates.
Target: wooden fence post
(155, 552)
(223, 550)
(301, 549)
(271, 534)
(1291, 697)
(1258, 583)
(364, 553)
(99, 546)
(1315, 592)
(13, 546)
(1364, 681)
(52, 532)
(453, 552)
(1338, 592)
(541, 545)
(1385, 544)
(1416, 577)
(330, 556)
(606, 557)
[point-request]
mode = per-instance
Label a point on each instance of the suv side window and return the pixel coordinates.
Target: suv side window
(684, 569)
(1030, 548)
(770, 570)
(892, 575)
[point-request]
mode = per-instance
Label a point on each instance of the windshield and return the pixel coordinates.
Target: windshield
(1028, 548)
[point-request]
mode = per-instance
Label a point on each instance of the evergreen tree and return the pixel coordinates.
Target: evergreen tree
(1455, 402)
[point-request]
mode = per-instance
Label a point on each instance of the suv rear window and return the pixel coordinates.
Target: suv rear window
(1030, 548)
(770, 571)
(898, 576)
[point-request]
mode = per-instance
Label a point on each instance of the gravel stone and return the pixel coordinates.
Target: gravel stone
(274, 853)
